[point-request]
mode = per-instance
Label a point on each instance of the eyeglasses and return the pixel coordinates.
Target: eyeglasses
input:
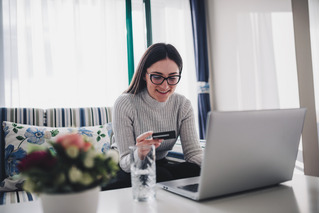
(158, 79)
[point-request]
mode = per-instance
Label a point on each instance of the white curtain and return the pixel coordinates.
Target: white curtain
(253, 56)
(255, 66)
(139, 30)
(63, 53)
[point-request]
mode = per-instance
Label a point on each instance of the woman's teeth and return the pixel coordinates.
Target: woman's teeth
(163, 92)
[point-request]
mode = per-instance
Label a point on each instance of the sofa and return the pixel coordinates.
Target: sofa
(22, 126)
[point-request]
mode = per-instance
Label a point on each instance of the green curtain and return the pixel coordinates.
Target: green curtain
(130, 52)
(129, 40)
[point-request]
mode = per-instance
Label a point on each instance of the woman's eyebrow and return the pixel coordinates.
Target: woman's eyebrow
(159, 73)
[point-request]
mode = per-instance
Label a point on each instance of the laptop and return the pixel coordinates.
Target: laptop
(245, 150)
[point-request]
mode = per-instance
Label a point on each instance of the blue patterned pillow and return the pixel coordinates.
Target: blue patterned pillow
(18, 136)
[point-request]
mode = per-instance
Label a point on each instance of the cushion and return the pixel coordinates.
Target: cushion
(30, 116)
(18, 136)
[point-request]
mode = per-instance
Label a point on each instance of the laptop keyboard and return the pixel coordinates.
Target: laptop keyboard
(191, 187)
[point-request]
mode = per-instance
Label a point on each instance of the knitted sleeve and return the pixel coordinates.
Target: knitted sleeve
(188, 135)
(122, 124)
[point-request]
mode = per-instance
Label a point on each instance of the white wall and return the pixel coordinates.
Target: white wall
(310, 139)
(314, 34)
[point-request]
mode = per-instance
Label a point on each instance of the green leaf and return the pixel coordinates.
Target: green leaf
(20, 127)
(98, 138)
(54, 132)
(15, 130)
(14, 125)
(103, 135)
(20, 138)
(99, 132)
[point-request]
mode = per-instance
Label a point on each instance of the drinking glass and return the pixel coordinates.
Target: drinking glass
(143, 172)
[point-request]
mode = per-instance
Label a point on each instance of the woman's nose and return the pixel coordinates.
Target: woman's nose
(164, 84)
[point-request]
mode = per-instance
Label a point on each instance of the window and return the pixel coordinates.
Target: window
(64, 53)
(74, 53)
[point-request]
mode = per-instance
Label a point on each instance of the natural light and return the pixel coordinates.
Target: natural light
(76, 56)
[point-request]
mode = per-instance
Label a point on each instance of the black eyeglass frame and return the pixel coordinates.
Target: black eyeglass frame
(163, 78)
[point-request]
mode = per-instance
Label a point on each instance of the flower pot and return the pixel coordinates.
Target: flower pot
(80, 202)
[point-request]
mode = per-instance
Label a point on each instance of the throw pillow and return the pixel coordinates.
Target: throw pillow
(18, 136)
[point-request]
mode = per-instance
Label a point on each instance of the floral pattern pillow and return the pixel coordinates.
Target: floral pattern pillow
(18, 136)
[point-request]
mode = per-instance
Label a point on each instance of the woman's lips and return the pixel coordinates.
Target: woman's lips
(163, 92)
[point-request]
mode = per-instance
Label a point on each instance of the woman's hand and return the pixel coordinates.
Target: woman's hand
(142, 140)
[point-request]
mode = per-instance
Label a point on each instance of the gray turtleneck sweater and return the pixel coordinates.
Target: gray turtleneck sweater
(136, 114)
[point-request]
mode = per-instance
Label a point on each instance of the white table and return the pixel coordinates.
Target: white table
(299, 195)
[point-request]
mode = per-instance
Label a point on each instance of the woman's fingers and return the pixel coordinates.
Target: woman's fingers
(158, 142)
(142, 139)
(155, 142)
(144, 136)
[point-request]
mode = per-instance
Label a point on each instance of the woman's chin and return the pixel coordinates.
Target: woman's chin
(163, 97)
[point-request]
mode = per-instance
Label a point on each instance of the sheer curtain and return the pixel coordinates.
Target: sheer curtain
(139, 30)
(63, 53)
(253, 56)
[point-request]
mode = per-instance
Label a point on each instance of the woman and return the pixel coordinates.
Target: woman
(149, 105)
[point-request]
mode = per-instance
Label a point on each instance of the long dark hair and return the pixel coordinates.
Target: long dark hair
(153, 54)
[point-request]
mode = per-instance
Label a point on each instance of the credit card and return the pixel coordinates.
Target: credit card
(164, 135)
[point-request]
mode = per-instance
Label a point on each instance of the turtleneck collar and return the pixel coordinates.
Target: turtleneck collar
(151, 101)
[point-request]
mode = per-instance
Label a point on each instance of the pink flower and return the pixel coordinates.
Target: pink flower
(87, 146)
(75, 140)
(71, 140)
(38, 160)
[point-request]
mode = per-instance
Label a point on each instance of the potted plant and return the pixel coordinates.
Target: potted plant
(69, 172)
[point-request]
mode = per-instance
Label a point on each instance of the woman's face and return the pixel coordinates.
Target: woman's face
(164, 68)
